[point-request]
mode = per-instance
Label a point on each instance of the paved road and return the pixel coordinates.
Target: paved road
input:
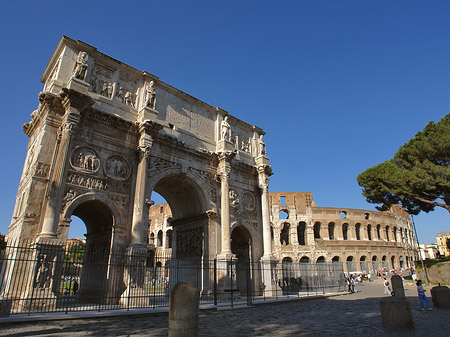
(346, 315)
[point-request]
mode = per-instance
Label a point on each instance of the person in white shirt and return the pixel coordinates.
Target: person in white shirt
(422, 297)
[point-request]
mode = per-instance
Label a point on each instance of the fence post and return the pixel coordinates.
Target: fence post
(215, 282)
(231, 280)
(247, 272)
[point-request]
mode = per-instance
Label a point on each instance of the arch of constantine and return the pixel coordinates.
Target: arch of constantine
(105, 136)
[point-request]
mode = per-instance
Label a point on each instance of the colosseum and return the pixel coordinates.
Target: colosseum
(363, 240)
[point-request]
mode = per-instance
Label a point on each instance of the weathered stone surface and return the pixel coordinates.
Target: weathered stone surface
(183, 310)
(397, 286)
(441, 296)
(396, 314)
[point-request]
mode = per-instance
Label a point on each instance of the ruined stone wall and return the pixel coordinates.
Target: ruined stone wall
(339, 234)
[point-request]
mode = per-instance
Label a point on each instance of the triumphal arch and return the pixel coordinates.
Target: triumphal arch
(106, 135)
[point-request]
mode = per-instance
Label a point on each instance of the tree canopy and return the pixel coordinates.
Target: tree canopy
(417, 177)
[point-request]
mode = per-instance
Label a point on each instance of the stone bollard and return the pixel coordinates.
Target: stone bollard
(396, 311)
(441, 296)
(397, 286)
(183, 310)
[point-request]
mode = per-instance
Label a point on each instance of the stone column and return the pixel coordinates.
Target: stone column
(135, 294)
(140, 209)
(224, 171)
(263, 175)
(73, 103)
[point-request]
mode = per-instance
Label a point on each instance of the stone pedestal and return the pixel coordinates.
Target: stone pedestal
(226, 273)
(396, 314)
(271, 288)
(135, 294)
(441, 296)
(147, 113)
(78, 85)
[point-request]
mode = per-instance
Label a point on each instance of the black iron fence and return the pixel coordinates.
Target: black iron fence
(42, 277)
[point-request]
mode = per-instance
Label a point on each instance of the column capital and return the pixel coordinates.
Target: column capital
(149, 127)
(226, 156)
(74, 100)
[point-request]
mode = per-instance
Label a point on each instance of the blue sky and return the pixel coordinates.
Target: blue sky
(337, 85)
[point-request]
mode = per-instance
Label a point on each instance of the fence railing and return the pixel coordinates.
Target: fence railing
(42, 277)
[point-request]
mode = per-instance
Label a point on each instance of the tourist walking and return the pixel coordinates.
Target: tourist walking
(422, 297)
(387, 289)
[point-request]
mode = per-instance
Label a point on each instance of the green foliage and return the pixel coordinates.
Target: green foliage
(418, 177)
(75, 254)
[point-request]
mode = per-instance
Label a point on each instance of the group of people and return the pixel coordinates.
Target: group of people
(351, 281)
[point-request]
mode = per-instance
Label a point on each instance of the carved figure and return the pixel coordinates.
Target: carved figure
(245, 146)
(261, 146)
(150, 95)
(117, 168)
(234, 198)
(225, 129)
(104, 91)
(120, 92)
(128, 99)
(110, 90)
(248, 200)
(85, 159)
(70, 195)
(81, 66)
(44, 272)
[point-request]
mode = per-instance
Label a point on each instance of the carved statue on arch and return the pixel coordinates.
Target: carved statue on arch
(81, 66)
(225, 130)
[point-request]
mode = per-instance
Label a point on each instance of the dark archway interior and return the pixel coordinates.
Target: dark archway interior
(99, 221)
(241, 247)
(96, 216)
(183, 195)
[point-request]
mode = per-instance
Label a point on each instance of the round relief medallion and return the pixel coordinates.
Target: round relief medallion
(248, 200)
(84, 159)
(117, 168)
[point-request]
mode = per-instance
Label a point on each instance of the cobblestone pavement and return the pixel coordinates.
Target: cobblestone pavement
(345, 315)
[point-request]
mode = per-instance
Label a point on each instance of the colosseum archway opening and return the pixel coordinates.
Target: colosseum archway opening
(363, 264)
(345, 231)
(375, 264)
(301, 233)
(331, 226)
(284, 234)
(317, 230)
(350, 264)
(287, 268)
(385, 262)
(402, 263)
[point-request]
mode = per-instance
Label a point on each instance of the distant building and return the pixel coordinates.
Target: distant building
(429, 251)
(75, 242)
(442, 243)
